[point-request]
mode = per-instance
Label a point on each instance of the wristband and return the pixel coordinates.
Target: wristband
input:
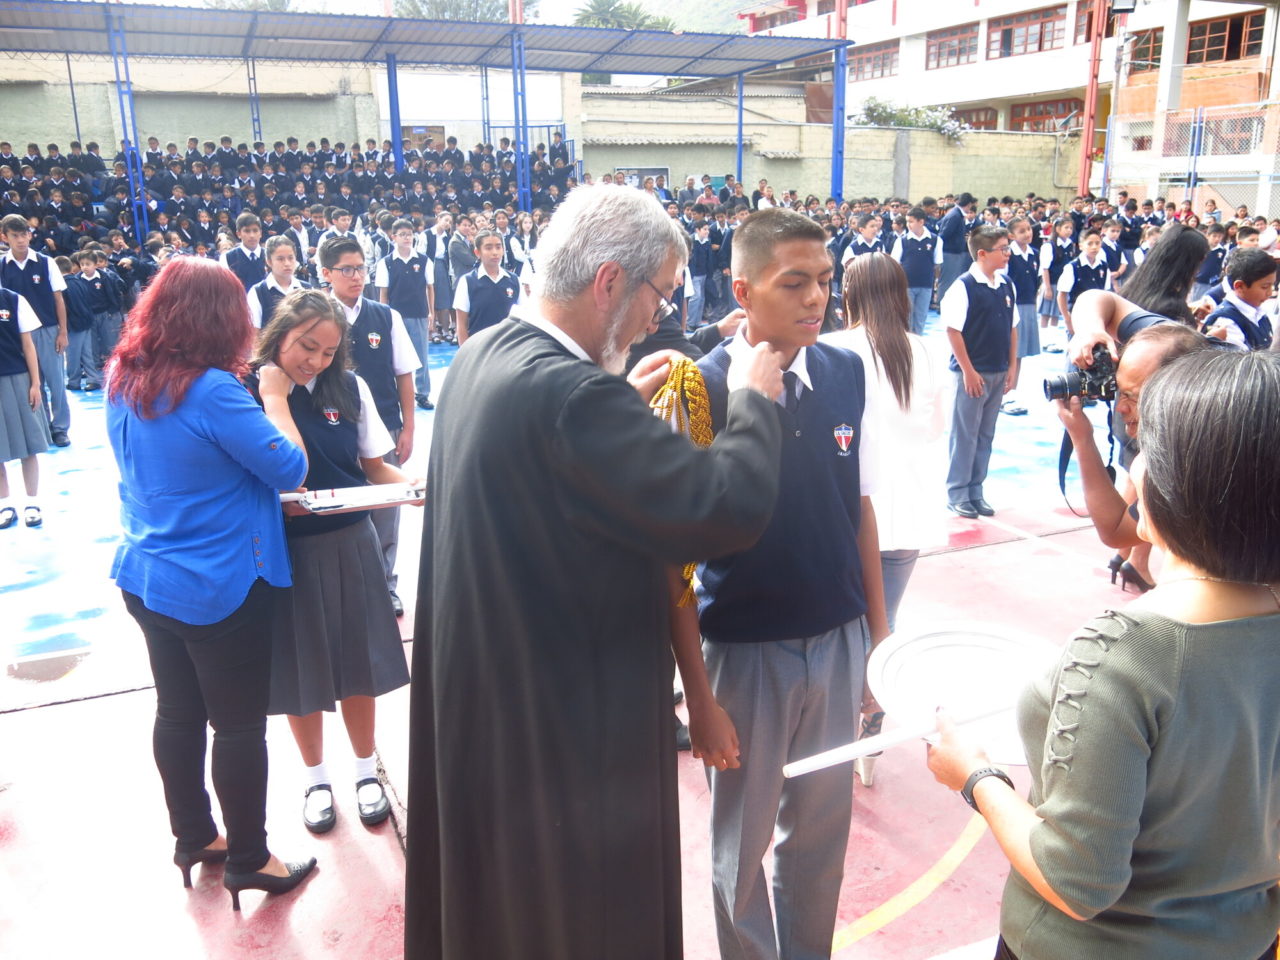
(966, 792)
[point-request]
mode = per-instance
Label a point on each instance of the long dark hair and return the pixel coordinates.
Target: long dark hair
(1163, 282)
(310, 307)
(875, 297)
(191, 318)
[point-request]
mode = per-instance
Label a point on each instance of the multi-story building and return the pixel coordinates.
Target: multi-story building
(1025, 66)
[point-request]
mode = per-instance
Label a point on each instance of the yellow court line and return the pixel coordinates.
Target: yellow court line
(917, 892)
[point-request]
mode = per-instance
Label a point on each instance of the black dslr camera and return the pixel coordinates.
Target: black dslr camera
(1097, 382)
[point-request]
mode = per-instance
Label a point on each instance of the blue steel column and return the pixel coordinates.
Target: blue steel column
(255, 105)
(75, 113)
(393, 97)
(129, 127)
(839, 79)
(486, 128)
(1195, 148)
(518, 85)
(741, 91)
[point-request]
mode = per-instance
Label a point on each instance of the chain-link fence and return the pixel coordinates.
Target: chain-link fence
(1228, 154)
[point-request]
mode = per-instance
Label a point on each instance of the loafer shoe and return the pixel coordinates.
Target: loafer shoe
(984, 509)
(323, 819)
(372, 814)
(964, 509)
(397, 604)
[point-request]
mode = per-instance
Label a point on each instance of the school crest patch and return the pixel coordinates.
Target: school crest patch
(331, 414)
(4, 315)
(844, 437)
(375, 339)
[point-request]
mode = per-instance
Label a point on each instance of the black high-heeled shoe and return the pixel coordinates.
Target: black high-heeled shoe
(184, 860)
(1129, 575)
(1114, 565)
(266, 882)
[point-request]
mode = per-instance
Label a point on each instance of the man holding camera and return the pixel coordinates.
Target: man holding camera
(1150, 341)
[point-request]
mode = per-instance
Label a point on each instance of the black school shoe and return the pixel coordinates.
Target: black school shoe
(60, 438)
(963, 509)
(328, 815)
(372, 814)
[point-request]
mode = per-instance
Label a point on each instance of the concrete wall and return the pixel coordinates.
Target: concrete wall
(176, 100)
(665, 132)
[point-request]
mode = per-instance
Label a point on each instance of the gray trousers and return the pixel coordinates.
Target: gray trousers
(82, 357)
(788, 699)
(386, 523)
(973, 429)
(953, 266)
(421, 340)
(53, 379)
(920, 298)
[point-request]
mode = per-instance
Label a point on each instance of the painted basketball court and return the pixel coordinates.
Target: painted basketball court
(84, 842)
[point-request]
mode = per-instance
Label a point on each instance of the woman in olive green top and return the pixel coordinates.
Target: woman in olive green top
(1154, 744)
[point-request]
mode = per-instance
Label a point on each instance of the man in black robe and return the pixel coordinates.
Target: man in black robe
(543, 819)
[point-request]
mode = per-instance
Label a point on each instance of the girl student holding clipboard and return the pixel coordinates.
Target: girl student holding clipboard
(334, 634)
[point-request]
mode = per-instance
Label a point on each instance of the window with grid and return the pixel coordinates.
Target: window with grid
(826, 6)
(1084, 23)
(1146, 50)
(950, 48)
(1226, 38)
(1043, 115)
(979, 118)
(1029, 32)
(876, 60)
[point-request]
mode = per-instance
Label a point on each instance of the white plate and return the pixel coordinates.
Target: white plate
(968, 668)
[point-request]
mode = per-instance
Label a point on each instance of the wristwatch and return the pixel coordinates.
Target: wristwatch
(966, 792)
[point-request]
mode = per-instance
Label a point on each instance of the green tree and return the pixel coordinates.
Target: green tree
(620, 15)
(494, 11)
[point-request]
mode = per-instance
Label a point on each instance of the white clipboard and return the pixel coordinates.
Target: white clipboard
(351, 499)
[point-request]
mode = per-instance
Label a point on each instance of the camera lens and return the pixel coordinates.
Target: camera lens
(1063, 386)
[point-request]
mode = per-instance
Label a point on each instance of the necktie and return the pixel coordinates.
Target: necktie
(790, 400)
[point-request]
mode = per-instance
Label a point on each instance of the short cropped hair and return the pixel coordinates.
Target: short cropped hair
(755, 241)
(402, 224)
(335, 248)
(1248, 265)
(15, 223)
(247, 220)
(1209, 427)
(985, 238)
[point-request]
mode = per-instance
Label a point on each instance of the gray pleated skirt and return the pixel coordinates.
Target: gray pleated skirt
(23, 431)
(1028, 330)
(334, 633)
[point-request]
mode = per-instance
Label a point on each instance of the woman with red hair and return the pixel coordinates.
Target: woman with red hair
(201, 465)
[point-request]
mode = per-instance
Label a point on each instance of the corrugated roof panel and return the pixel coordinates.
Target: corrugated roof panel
(76, 26)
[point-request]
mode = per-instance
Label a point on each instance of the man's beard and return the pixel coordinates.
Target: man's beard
(613, 357)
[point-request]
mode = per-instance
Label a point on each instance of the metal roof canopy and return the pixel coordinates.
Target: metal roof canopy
(68, 26)
(121, 30)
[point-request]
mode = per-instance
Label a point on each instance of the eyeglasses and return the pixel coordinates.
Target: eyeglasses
(1004, 250)
(350, 272)
(666, 308)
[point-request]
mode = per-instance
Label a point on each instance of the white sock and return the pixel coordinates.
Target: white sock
(367, 769)
(318, 800)
(316, 775)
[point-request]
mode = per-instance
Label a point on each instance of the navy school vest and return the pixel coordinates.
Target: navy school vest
(1061, 257)
(988, 326)
(12, 360)
(1256, 335)
(1087, 278)
(490, 302)
(247, 271)
(333, 453)
(803, 577)
(31, 280)
(1024, 274)
(374, 359)
(917, 258)
(407, 286)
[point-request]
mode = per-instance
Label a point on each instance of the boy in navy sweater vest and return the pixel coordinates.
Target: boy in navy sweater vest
(701, 262)
(246, 260)
(787, 624)
(1239, 319)
(406, 282)
(981, 322)
(485, 294)
(385, 359)
(920, 254)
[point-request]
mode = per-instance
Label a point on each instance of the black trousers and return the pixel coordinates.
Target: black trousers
(216, 675)
(1004, 953)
